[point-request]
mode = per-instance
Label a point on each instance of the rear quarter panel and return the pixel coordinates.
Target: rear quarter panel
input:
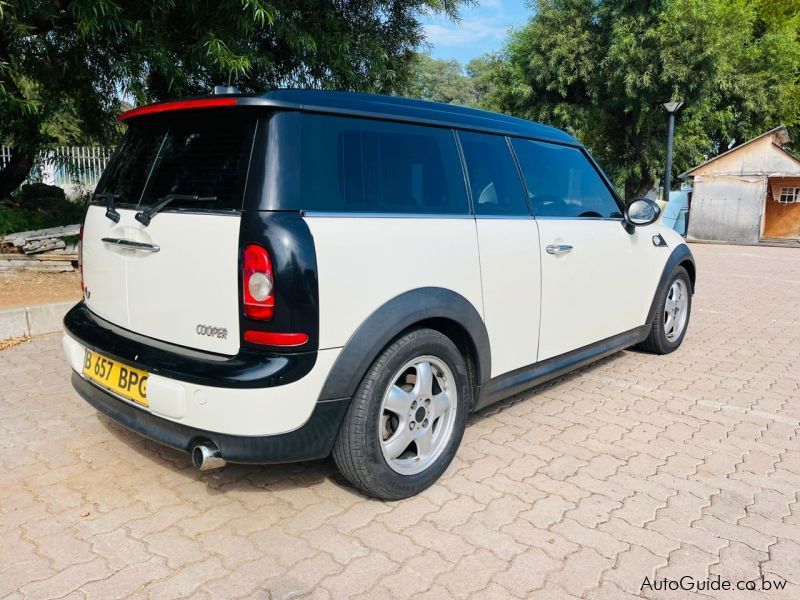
(364, 262)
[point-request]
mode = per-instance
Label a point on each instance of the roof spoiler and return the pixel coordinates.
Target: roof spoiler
(178, 105)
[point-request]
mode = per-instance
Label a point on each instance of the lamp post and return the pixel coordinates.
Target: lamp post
(672, 108)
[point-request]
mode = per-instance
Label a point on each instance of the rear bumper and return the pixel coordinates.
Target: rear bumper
(248, 369)
(312, 440)
(193, 389)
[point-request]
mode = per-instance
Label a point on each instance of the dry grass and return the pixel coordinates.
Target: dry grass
(25, 288)
(11, 342)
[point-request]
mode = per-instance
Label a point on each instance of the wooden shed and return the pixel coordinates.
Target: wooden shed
(750, 193)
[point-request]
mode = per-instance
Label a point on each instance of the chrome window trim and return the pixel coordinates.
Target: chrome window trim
(551, 218)
(381, 215)
(506, 217)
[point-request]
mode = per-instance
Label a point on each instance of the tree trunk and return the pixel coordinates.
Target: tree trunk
(644, 187)
(15, 172)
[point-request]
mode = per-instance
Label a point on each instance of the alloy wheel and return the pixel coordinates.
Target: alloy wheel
(417, 415)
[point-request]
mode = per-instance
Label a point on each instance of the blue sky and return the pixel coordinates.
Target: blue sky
(483, 28)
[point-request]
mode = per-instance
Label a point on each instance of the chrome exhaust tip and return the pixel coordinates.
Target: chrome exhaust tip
(206, 456)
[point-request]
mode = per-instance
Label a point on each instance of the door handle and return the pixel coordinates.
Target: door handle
(131, 244)
(558, 249)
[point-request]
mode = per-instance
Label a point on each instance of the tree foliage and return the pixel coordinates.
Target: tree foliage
(440, 81)
(451, 82)
(82, 57)
(601, 69)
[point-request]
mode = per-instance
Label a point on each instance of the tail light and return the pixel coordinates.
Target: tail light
(257, 283)
(80, 256)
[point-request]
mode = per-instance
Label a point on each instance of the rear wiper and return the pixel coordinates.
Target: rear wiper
(111, 212)
(144, 217)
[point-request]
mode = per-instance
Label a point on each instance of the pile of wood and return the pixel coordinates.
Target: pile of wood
(53, 250)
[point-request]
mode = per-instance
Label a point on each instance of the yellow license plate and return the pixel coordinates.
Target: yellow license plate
(122, 379)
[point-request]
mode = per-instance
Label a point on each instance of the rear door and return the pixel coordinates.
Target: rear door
(105, 266)
(508, 242)
(597, 279)
(180, 281)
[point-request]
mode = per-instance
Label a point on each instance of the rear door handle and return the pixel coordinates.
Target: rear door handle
(558, 249)
(131, 244)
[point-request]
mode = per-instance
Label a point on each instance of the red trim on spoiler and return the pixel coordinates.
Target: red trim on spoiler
(177, 105)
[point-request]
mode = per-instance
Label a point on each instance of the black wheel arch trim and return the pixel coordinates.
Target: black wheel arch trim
(393, 318)
(680, 255)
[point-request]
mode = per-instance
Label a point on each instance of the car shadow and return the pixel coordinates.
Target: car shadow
(257, 478)
(277, 477)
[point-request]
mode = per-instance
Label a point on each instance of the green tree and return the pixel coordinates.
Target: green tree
(440, 81)
(483, 71)
(81, 57)
(601, 69)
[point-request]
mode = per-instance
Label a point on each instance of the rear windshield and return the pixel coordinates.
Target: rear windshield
(200, 154)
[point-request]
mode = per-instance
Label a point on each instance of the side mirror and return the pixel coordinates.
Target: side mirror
(640, 212)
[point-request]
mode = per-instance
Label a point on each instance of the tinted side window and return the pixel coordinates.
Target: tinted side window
(493, 176)
(562, 182)
(358, 165)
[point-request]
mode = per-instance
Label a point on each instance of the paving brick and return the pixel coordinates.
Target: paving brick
(416, 575)
(187, 580)
(632, 566)
(471, 573)
(455, 512)
(497, 542)
(638, 509)
(450, 546)
(738, 533)
(639, 465)
(687, 561)
(651, 540)
(684, 534)
(547, 511)
(376, 536)
(248, 580)
(553, 544)
(581, 572)
(67, 580)
(600, 541)
(359, 575)
(567, 491)
(593, 510)
(286, 549)
(739, 561)
(130, 577)
(527, 572)
(783, 562)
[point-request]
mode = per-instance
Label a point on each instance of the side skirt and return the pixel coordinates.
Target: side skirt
(521, 379)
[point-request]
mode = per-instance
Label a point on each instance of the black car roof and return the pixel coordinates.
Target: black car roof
(395, 108)
(410, 110)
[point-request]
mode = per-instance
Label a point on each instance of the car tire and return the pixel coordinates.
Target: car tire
(666, 334)
(392, 405)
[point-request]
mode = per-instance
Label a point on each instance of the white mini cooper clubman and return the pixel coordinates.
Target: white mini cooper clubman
(283, 277)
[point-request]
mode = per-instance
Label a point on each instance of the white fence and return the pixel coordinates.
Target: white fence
(70, 167)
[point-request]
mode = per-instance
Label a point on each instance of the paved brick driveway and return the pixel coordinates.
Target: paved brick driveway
(636, 467)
